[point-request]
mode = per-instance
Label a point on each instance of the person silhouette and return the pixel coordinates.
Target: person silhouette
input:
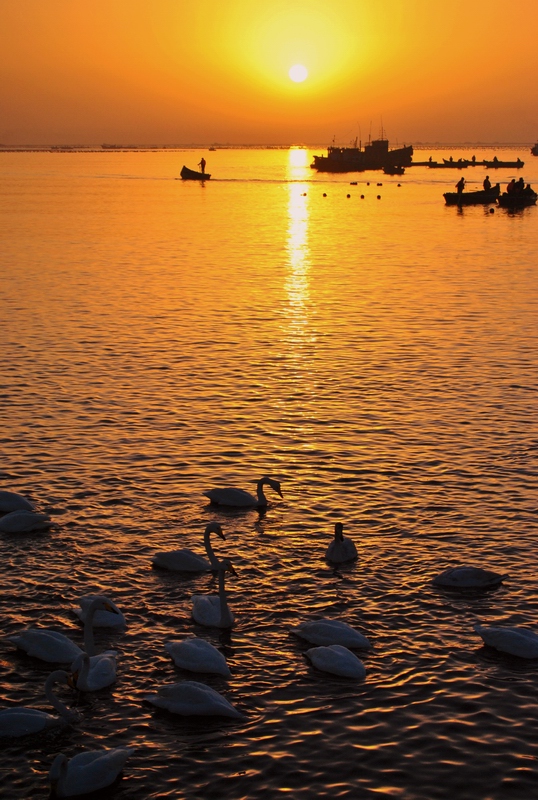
(460, 185)
(487, 184)
(201, 164)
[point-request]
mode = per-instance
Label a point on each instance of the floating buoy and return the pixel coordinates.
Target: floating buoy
(368, 183)
(348, 195)
(324, 194)
(379, 197)
(380, 184)
(492, 211)
(362, 197)
(399, 184)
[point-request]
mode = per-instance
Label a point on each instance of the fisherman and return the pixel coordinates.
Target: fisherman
(511, 186)
(460, 185)
(487, 184)
(202, 165)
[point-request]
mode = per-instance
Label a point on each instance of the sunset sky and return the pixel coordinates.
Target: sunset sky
(203, 71)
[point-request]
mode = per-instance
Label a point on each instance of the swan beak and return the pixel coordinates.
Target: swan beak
(72, 680)
(279, 490)
(221, 535)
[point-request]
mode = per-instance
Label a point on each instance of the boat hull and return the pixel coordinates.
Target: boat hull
(472, 198)
(517, 200)
(191, 175)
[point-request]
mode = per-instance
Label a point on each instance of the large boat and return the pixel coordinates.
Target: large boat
(483, 197)
(375, 155)
(191, 175)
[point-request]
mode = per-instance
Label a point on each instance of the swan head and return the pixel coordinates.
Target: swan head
(214, 527)
(339, 531)
(275, 485)
(227, 566)
(76, 668)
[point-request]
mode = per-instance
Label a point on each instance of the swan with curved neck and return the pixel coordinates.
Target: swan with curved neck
(92, 674)
(102, 618)
(213, 610)
(20, 721)
(340, 549)
(185, 560)
(54, 647)
(87, 772)
(239, 498)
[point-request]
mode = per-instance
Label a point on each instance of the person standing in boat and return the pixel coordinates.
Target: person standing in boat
(487, 184)
(202, 164)
(460, 185)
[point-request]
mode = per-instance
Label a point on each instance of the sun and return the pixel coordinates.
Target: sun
(298, 73)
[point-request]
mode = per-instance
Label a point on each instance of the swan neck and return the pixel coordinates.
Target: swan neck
(89, 641)
(224, 610)
(262, 500)
(51, 697)
(209, 549)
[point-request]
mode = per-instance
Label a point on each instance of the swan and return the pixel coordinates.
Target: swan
(331, 631)
(102, 618)
(87, 772)
(212, 610)
(337, 660)
(19, 720)
(468, 578)
(185, 560)
(242, 499)
(197, 655)
(516, 641)
(340, 549)
(11, 501)
(54, 647)
(190, 698)
(92, 674)
(23, 521)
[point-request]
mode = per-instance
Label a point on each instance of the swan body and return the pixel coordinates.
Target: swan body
(54, 647)
(185, 560)
(92, 674)
(87, 772)
(20, 721)
(102, 618)
(212, 610)
(11, 501)
(23, 521)
(197, 655)
(239, 498)
(331, 631)
(340, 549)
(337, 660)
(519, 642)
(468, 578)
(190, 698)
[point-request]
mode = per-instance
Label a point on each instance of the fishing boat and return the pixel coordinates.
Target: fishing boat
(191, 175)
(534, 149)
(522, 199)
(496, 164)
(395, 170)
(375, 155)
(484, 197)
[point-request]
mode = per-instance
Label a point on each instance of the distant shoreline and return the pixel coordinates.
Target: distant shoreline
(142, 148)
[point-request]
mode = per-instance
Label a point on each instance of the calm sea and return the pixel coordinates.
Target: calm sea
(375, 351)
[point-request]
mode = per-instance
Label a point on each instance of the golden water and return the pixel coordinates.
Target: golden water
(378, 357)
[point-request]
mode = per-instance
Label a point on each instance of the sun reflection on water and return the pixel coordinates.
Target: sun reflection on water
(297, 283)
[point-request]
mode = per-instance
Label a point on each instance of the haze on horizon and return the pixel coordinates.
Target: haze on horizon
(203, 71)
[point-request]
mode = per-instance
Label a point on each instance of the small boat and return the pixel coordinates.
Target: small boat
(461, 162)
(496, 164)
(534, 149)
(484, 196)
(448, 164)
(522, 199)
(394, 170)
(191, 175)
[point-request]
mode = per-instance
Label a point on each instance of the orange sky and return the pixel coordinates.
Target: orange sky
(202, 71)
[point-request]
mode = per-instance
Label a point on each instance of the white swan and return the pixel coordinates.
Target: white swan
(239, 498)
(197, 655)
(185, 560)
(19, 720)
(87, 772)
(213, 610)
(340, 549)
(92, 674)
(468, 578)
(337, 660)
(54, 647)
(190, 698)
(23, 521)
(516, 641)
(331, 631)
(11, 501)
(102, 618)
